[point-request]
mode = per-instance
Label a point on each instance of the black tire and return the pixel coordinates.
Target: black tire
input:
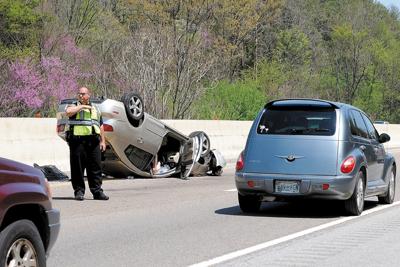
(205, 146)
(388, 198)
(355, 204)
(21, 232)
(134, 106)
(249, 203)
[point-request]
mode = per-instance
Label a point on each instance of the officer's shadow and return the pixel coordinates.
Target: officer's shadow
(70, 198)
(63, 198)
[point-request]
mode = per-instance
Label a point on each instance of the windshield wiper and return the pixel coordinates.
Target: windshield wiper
(322, 130)
(317, 130)
(295, 131)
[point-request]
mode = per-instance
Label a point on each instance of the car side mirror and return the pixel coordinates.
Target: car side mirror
(383, 138)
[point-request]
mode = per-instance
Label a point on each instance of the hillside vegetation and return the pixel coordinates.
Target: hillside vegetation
(200, 59)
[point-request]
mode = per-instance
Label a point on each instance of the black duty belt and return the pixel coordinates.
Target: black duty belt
(85, 137)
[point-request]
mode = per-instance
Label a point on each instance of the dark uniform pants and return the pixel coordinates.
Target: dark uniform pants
(85, 154)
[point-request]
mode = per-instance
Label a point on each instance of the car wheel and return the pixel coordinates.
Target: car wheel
(355, 204)
(249, 203)
(134, 106)
(205, 142)
(389, 197)
(21, 245)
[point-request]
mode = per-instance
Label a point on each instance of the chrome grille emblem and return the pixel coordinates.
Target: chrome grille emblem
(290, 158)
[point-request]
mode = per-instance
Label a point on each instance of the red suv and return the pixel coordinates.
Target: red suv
(29, 225)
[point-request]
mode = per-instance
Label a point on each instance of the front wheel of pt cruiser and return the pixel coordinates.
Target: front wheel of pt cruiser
(389, 197)
(355, 204)
(249, 203)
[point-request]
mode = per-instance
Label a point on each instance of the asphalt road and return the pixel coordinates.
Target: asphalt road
(172, 222)
(370, 240)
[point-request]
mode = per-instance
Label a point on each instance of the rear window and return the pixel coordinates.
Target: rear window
(298, 121)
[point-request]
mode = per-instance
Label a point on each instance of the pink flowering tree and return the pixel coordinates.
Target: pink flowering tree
(40, 86)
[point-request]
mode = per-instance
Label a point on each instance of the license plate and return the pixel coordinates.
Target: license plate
(287, 187)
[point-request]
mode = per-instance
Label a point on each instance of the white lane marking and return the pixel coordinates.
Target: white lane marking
(231, 190)
(274, 242)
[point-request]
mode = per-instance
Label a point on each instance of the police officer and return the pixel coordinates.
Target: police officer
(86, 141)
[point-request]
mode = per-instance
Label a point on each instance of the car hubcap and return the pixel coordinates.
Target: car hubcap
(360, 194)
(21, 254)
(135, 106)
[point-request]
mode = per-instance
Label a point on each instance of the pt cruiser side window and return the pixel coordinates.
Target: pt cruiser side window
(370, 127)
(357, 124)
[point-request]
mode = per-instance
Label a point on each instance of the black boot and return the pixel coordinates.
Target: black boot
(100, 196)
(79, 196)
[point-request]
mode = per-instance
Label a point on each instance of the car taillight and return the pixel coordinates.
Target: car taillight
(348, 165)
(240, 163)
(60, 128)
(108, 128)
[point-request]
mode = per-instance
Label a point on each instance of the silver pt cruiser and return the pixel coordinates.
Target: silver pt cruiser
(307, 148)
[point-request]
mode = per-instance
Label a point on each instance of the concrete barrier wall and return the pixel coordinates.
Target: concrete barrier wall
(34, 140)
(393, 130)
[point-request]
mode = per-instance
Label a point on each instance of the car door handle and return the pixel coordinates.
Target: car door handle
(362, 147)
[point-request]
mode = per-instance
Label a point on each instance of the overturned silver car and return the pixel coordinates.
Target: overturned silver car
(139, 144)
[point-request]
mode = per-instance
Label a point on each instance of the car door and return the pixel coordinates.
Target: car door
(377, 147)
(151, 134)
(362, 141)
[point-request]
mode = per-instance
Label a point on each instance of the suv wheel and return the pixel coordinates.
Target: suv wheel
(389, 196)
(21, 245)
(249, 203)
(204, 142)
(355, 204)
(134, 106)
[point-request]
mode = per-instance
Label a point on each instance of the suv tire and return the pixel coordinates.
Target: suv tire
(21, 233)
(134, 106)
(205, 142)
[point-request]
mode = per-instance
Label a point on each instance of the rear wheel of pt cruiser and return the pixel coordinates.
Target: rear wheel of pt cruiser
(389, 197)
(249, 203)
(355, 204)
(21, 245)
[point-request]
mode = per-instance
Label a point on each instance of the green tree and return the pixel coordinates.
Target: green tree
(350, 61)
(292, 48)
(230, 101)
(20, 27)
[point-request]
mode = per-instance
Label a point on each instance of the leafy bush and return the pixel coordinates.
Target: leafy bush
(230, 101)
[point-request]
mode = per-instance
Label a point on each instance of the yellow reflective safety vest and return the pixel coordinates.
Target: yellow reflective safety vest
(86, 122)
